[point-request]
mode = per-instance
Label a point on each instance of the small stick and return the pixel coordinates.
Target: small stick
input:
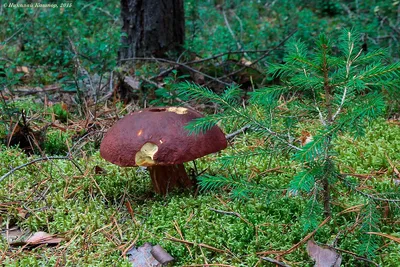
(240, 131)
(280, 263)
(354, 255)
(305, 239)
(180, 234)
(195, 244)
(260, 58)
(176, 63)
(37, 160)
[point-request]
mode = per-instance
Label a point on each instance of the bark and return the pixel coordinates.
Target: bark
(152, 27)
(166, 178)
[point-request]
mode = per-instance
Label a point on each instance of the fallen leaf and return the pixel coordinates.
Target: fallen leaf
(245, 62)
(39, 238)
(133, 83)
(12, 234)
(323, 257)
(22, 69)
(149, 256)
(141, 256)
(305, 138)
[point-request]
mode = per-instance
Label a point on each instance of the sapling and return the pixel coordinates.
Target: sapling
(334, 89)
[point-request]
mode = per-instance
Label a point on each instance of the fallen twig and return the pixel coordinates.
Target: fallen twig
(175, 63)
(260, 58)
(159, 86)
(305, 239)
(354, 255)
(237, 132)
(195, 244)
(280, 263)
(37, 160)
(342, 177)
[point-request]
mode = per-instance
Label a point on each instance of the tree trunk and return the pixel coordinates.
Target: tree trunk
(151, 27)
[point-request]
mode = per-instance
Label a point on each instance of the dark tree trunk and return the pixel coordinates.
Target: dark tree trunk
(152, 27)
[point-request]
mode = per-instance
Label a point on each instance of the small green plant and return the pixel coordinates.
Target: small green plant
(56, 143)
(335, 92)
(60, 112)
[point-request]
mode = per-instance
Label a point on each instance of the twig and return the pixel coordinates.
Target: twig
(227, 53)
(195, 244)
(366, 194)
(275, 261)
(240, 131)
(231, 32)
(181, 235)
(305, 239)
(341, 103)
(37, 160)
(159, 86)
(354, 255)
(12, 36)
(83, 71)
(175, 63)
(260, 58)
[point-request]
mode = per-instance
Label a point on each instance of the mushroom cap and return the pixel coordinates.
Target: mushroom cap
(157, 136)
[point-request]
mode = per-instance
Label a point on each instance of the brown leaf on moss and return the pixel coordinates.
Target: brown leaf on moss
(323, 257)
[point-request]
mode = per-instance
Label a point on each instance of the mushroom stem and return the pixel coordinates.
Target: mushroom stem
(165, 178)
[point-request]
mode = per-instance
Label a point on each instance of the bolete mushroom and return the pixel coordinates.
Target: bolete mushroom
(157, 139)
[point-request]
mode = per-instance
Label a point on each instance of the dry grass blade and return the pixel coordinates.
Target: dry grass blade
(395, 239)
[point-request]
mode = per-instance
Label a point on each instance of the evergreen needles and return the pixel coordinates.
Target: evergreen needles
(340, 86)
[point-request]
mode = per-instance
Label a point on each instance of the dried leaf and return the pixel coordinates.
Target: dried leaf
(305, 138)
(23, 69)
(141, 256)
(149, 256)
(161, 255)
(323, 257)
(39, 238)
(12, 234)
(133, 83)
(245, 62)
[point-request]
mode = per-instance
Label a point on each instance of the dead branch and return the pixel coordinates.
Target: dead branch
(305, 239)
(159, 86)
(237, 132)
(195, 244)
(280, 263)
(260, 58)
(40, 159)
(370, 196)
(183, 65)
(354, 255)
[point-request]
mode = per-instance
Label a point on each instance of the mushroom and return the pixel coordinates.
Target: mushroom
(157, 139)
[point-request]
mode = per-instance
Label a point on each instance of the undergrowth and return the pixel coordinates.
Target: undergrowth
(89, 210)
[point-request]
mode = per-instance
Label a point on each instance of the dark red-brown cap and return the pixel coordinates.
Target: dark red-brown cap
(157, 136)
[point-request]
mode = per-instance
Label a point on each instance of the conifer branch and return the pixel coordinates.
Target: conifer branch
(341, 103)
